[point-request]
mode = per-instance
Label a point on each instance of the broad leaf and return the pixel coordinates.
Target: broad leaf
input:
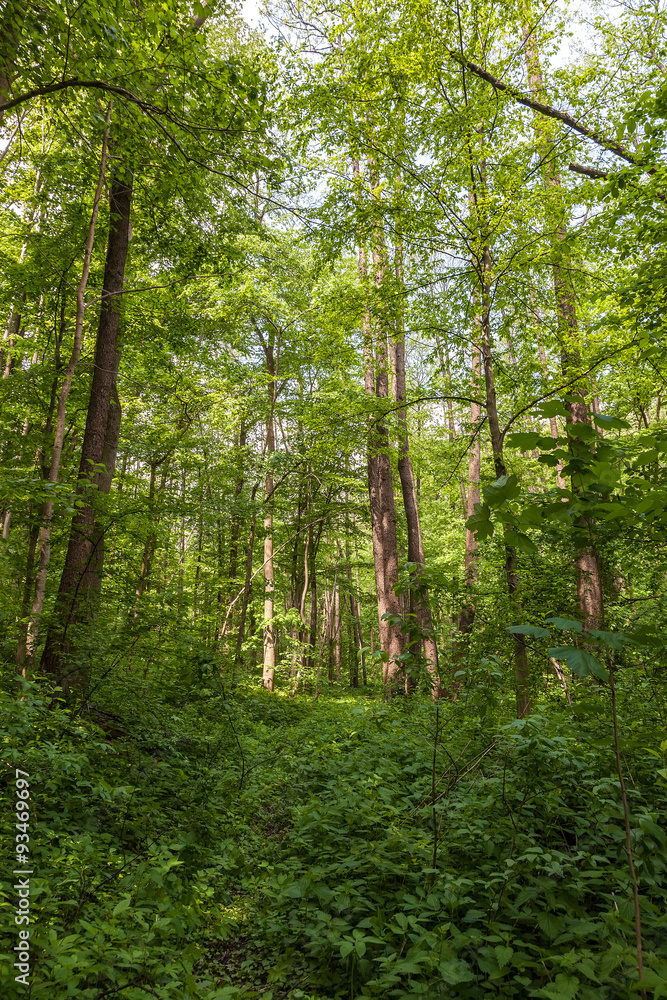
(551, 408)
(533, 630)
(614, 639)
(521, 542)
(523, 441)
(580, 662)
(504, 488)
(565, 624)
(610, 423)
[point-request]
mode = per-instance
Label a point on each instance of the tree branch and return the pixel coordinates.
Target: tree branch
(545, 109)
(596, 175)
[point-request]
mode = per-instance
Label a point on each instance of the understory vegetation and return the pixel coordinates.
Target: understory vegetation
(231, 843)
(333, 500)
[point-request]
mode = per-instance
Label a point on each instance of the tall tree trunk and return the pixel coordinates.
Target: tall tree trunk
(57, 449)
(150, 545)
(269, 660)
(81, 576)
(419, 604)
(357, 614)
(380, 491)
(380, 486)
(195, 591)
(240, 635)
(309, 660)
(21, 649)
(470, 564)
(236, 520)
(521, 667)
(589, 577)
(181, 540)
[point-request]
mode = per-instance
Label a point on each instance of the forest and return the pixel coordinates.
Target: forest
(333, 493)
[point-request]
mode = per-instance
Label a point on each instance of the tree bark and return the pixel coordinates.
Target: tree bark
(236, 521)
(57, 449)
(150, 545)
(589, 578)
(81, 576)
(470, 563)
(240, 635)
(269, 659)
(380, 490)
(419, 605)
(521, 666)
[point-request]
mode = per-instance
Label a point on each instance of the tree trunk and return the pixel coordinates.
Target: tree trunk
(381, 492)
(447, 406)
(589, 578)
(521, 667)
(150, 546)
(81, 577)
(419, 605)
(236, 521)
(240, 635)
(21, 650)
(470, 564)
(269, 660)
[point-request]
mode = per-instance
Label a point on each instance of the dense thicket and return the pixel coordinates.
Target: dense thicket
(334, 498)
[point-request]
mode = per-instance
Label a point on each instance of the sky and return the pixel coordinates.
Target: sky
(250, 12)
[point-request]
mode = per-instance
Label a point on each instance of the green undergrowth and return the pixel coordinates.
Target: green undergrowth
(207, 844)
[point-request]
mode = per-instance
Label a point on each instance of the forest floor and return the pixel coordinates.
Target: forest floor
(190, 842)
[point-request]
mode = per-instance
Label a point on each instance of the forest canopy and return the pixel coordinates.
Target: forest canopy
(333, 492)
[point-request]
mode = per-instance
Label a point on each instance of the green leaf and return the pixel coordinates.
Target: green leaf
(523, 441)
(579, 661)
(551, 408)
(519, 541)
(346, 947)
(565, 624)
(503, 954)
(534, 630)
(610, 423)
(455, 971)
(503, 489)
(614, 639)
(565, 987)
(122, 906)
(480, 522)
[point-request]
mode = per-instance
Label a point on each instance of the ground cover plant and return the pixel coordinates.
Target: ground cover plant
(333, 499)
(244, 845)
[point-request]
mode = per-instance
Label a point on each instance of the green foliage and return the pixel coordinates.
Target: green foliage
(259, 846)
(525, 897)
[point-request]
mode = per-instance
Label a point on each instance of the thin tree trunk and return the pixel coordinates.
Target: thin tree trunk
(381, 496)
(470, 564)
(236, 521)
(589, 579)
(181, 541)
(269, 661)
(521, 667)
(25, 601)
(418, 599)
(380, 486)
(240, 635)
(150, 545)
(447, 406)
(200, 539)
